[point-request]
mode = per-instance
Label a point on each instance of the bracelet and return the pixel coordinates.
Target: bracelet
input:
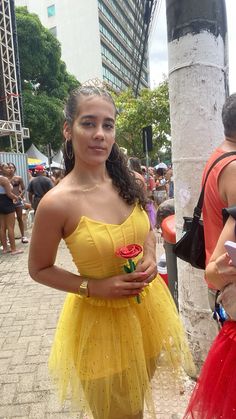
(83, 288)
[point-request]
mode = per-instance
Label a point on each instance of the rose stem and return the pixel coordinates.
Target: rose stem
(131, 265)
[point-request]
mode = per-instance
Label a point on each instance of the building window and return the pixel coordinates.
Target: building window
(53, 31)
(116, 44)
(109, 56)
(51, 10)
(112, 78)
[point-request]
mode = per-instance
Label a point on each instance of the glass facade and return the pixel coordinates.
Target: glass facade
(121, 31)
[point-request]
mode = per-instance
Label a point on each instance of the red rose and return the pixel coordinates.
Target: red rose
(130, 251)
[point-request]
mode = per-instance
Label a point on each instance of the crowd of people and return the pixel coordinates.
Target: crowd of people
(13, 202)
(117, 323)
(158, 180)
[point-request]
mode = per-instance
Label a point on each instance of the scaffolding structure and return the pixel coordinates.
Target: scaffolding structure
(10, 109)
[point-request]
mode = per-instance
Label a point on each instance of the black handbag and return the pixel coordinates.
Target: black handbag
(191, 246)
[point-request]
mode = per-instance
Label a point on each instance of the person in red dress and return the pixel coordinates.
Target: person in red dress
(214, 395)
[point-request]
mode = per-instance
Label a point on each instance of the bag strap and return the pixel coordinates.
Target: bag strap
(226, 212)
(198, 209)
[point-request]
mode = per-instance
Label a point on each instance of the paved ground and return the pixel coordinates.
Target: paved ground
(28, 316)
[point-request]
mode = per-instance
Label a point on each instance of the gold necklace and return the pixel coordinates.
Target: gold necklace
(89, 189)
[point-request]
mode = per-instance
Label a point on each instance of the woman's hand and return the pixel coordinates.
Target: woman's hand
(119, 286)
(225, 267)
(220, 272)
(147, 264)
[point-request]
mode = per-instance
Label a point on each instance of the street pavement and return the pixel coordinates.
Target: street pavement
(28, 317)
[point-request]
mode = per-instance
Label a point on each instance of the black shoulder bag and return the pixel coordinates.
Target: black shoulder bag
(191, 246)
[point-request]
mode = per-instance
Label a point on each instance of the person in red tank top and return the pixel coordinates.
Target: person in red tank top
(220, 190)
(214, 393)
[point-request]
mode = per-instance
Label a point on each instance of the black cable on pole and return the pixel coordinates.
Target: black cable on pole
(149, 9)
(137, 36)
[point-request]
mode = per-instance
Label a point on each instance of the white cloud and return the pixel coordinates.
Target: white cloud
(158, 46)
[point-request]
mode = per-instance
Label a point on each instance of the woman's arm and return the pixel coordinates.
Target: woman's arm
(22, 187)
(219, 271)
(8, 188)
(148, 262)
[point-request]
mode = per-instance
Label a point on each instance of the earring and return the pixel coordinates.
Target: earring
(69, 149)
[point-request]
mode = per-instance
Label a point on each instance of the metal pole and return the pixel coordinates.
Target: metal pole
(146, 153)
(49, 157)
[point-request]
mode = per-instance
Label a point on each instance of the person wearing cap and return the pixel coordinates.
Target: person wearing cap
(38, 186)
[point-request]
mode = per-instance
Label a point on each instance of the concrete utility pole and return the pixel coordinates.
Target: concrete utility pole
(198, 82)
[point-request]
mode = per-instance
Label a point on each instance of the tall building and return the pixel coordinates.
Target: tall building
(104, 39)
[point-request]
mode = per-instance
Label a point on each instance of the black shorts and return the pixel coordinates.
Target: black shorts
(6, 204)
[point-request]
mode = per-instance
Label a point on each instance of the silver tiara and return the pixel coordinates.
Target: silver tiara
(94, 83)
(100, 84)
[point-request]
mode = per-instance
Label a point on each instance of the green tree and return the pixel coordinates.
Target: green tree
(151, 107)
(44, 116)
(44, 79)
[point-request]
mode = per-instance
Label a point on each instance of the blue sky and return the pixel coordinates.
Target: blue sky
(158, 45)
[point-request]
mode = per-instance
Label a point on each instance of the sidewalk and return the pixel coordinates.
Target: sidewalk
(28, 316)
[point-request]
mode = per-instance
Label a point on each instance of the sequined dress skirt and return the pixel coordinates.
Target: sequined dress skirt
(105, 352)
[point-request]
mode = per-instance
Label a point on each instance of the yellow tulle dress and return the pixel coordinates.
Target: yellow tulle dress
(105, 352)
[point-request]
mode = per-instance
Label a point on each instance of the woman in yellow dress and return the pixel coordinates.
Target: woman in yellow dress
(107, 346)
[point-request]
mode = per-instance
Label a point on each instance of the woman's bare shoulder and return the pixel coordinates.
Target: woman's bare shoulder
(56, 197)
(3, 180)
(61, 198)
(61, 207)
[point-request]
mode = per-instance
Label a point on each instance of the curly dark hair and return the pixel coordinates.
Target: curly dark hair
(135, 164)
(127, 185)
